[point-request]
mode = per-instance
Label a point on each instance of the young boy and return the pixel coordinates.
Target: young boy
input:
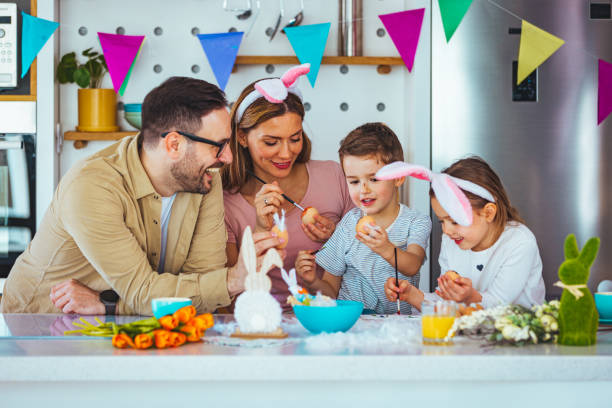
(357, 263)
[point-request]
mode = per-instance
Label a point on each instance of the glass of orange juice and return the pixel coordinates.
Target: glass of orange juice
(436, 320)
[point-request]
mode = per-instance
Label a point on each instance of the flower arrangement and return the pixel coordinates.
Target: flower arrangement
(511, 324)
(168, 331)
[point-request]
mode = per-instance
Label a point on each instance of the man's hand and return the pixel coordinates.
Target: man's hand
(237, 274)
(72, 296)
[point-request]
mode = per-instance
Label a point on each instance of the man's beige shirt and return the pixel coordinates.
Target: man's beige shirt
(103, 229)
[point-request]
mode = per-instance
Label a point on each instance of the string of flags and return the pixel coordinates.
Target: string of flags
(309, 41)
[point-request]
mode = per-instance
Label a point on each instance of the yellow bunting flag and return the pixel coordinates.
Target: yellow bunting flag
(535, 48)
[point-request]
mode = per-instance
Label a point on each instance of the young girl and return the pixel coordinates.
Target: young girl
(485, 241)
(357, 263)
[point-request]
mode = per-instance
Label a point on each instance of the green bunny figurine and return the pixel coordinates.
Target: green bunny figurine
(578, 317)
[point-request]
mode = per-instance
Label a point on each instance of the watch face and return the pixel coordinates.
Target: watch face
(109, 296)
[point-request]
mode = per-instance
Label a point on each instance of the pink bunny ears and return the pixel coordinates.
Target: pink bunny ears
(275, 90)
(447, 188)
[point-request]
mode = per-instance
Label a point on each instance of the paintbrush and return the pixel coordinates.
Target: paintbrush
(284, 195)
(396, 278)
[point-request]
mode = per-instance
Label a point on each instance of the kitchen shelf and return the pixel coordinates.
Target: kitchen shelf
(383, 63)
(81, 138)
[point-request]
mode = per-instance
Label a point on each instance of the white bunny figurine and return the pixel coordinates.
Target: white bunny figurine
(256, 310)
(291, 281)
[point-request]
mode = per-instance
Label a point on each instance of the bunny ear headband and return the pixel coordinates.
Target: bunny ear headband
(275, 90)
(447, 188)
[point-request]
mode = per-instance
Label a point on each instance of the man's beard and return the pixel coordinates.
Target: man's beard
(189, 176)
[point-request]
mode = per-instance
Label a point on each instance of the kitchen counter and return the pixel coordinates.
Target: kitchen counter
(35, 357)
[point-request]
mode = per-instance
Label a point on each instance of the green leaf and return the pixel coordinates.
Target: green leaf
(86, 53)
(82, 77)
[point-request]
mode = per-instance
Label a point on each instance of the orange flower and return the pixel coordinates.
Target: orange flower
(203, 321)
(143, 341)
(176, 339)
(122, 340)
(168, 322)
(162, 338)
(192, 332)
(185, 314)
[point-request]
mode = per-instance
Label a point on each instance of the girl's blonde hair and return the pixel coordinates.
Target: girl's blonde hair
(476, 170)
(235, 175)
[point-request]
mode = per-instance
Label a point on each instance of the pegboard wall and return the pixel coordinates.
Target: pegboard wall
(343, 98)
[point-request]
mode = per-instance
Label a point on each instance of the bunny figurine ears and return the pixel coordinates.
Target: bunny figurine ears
(447, 188)
(275, 90)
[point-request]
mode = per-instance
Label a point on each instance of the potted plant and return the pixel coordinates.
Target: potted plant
(97, 106)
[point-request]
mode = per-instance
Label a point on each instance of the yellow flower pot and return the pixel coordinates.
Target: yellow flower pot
(97, 110)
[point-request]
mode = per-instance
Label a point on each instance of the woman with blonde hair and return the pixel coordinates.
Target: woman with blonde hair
(268, 142)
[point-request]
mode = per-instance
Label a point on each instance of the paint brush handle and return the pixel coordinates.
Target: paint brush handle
(396, 278)
(284, 195)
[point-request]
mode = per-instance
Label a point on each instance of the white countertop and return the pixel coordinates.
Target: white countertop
(32, 349)
(363, 368)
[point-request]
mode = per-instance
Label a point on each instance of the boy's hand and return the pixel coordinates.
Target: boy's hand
(377, 240)
(306, 267)
(458, 290)
(321, 230)
(268, 201)
(392, 291)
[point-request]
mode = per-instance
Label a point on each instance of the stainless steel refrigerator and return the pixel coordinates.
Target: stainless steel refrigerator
(542, 137)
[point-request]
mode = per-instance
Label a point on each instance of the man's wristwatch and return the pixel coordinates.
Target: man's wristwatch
(109, 299)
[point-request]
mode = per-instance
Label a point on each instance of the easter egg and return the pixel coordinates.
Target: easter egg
(452, 275)
(284, 234)
(361, 224)
(308, 215)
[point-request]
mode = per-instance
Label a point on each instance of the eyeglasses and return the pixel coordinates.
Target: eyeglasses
(220, 145)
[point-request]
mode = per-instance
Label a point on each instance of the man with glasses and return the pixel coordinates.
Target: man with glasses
(140, 219)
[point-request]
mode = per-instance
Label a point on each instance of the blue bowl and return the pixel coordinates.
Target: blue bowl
(134, 119)
(166, 306)
(603, 302)
(340, 318)
(132, 107)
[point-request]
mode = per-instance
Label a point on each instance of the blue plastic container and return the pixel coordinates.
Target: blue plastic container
(339, 318)
(166, 306)
(603, 301)
(132, 107)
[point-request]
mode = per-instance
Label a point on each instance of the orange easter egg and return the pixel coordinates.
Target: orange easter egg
(452, 275)
(308, 215)
(281, 234)
(361, 224)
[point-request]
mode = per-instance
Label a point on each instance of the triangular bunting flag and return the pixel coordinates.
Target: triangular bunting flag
(604, 90)
(34, 35)
(308, 43)
(404, 28)
(221, 50)
(129, 74)
(452, 12)
(535, 48)
(120, 52)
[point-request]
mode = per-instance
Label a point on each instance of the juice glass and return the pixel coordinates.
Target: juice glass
(436, 320)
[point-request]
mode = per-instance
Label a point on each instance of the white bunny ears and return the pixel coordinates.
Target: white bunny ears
(275, 90)
(447, 188)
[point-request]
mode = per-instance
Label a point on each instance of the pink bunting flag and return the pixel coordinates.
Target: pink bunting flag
(404, 28)
(119, 53)
(604, 91)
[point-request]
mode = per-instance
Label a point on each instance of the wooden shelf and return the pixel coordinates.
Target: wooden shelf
(81, 138)
(290, 60)
(383, 63)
